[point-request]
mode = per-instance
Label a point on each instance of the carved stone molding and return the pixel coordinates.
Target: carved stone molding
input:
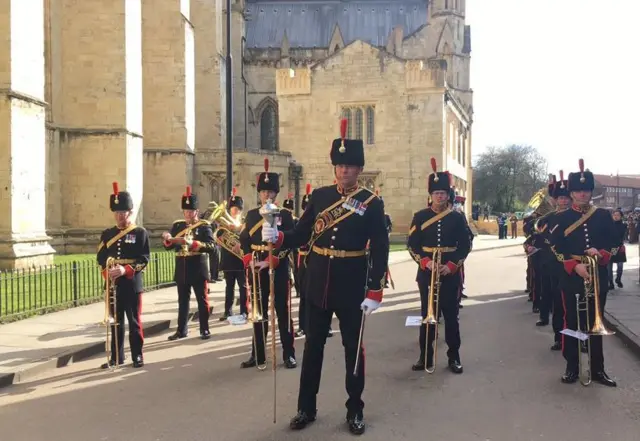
(293, 82)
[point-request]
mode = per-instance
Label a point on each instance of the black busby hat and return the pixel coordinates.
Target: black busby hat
(288, 202)
(561, 187)
(306, 198)
(347, 151)
(582, 180)
(120, 200)
(438, 180)
(235, 200)
(189, 200)
(551, 185)
(268, 181)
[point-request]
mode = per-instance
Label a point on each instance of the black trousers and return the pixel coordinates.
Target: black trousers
(529, 277)
(128, 303)
(201, 290)
(536, 281)
(214, 264)
(558, 308)
(233, 278)
(283, 315)
(570, 345)
(449, 306)
(545, 295)
(319, 320)
(303, 305)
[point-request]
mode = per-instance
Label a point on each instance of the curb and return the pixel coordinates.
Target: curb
(627, 337)
(79, 353)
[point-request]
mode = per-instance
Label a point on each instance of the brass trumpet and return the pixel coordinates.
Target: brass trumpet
(432, 309)
(111, 315)
(591, 291)
(219, 214)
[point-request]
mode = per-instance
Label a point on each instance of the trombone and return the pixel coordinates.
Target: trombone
(591, 291)
(111, 316)
(255, 314)
(433, 302)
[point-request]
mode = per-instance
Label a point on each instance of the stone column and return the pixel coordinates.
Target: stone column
(23, 241)
(97, 106)
(168, 49)
(468, 205)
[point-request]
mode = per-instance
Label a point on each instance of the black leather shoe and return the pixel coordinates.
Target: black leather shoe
(542, 322)
(420, 366)
(301, 420)
(251, 362)
(112, 363)
(535, 310)
(557, 346)
(619, 283)
(356, 424)
(224, 317)
(176, 336)
(205, 335)
(611, 287)
(138, 362)
(464, 296)
(290, 363)
(455, 366)
(569, 377)
(603, 378)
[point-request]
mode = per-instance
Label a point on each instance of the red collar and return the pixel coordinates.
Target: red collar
(344, 191)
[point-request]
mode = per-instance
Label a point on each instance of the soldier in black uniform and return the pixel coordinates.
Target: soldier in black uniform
(192, 239)
(289, 205)
(337, 225)
(533, 279)
(230, 264)
(123, 253)
(439, 227)
(583, 230)
(256, 258)
(389, 225)
(563, 202)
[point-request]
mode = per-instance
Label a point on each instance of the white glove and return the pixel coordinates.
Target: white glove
(269, 233)
(369, 305)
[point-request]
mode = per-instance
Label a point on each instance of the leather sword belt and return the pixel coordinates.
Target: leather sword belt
(124, 261)
(441, 249)
(338, 253)
(188, 253)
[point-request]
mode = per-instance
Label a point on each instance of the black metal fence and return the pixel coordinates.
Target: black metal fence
(39, 290)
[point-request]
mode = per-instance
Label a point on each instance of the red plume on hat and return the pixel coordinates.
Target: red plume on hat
(561, 178)
(581, 165)
(290, 196)
(377, 192)
(233, 193)
(434, 167)
(343, 133)
(115, 191)
(308, 189)
(266, 169)
(188, 193)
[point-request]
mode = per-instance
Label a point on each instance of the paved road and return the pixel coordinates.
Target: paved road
(194, 390)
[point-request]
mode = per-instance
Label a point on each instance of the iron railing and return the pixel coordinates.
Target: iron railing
(67, 285)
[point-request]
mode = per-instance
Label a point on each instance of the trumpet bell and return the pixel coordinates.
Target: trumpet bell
(219, 214)
(599, 328)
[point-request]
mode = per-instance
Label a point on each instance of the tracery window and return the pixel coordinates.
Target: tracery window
(269, 128)
(361, 123)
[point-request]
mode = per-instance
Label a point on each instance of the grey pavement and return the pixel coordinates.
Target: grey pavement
(55, 340)
(622, 312)
(194, 390)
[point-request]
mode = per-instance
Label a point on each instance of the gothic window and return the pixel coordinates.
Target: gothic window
(217, 191)
(269, 128)
(368, 182)
(214, 190)
(361, 123)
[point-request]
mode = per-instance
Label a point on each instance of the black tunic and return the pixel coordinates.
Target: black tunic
(192, 265)
(130, 250)
(337, 227)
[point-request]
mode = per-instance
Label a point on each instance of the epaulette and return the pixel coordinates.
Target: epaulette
(179, 220)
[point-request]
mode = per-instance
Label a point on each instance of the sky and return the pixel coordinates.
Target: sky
(560, 75)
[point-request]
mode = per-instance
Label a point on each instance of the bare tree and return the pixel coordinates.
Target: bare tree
(507, 177)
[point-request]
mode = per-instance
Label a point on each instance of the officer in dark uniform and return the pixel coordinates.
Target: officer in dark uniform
(552, 284)
(431, 228)
(192, 239)
(230, 264)
(583, 230)
(337, 225)
(256, 258)
(289, 205)
(389, 225)
(533, 273)
(123, 253)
